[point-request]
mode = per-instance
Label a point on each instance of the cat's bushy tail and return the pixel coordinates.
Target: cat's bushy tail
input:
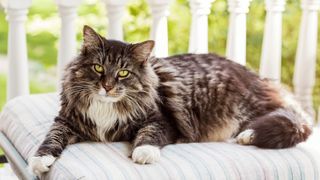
(282, 128)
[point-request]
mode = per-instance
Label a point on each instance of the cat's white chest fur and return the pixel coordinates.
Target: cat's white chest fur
(104, 115)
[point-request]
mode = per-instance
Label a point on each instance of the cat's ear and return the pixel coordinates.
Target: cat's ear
(141, 51)
(91, 39)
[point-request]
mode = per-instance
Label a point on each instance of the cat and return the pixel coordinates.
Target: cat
(115, 91)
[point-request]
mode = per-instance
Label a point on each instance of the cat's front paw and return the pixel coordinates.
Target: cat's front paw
(146, 154)
(40, 164)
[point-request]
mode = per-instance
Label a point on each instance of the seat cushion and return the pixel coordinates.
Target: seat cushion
(26, 120)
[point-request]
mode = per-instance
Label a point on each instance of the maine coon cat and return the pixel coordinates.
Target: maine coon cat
(114, 91)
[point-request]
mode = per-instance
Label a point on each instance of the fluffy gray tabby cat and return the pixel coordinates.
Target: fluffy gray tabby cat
(114, 91)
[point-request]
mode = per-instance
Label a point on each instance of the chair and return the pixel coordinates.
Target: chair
(25, 119)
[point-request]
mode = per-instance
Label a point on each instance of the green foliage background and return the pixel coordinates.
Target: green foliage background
(43, 32)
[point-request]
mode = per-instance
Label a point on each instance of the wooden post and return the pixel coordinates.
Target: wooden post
(270, 66)
(236, 42)
(115, 10)
(18, 81)
(68, 42)
(305, 65)
(198, 42)
(159, 28)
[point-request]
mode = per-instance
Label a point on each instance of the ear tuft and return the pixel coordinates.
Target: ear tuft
(141, 51)
(91, 39)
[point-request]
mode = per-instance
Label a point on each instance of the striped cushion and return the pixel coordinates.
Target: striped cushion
(25, 120)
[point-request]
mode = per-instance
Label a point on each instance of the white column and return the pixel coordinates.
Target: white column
(270, 66)
(305, 65)
(319, 117)
(236, 42)
(18, 81)
(115, 12)
(159, 28)
(198, 42)
(68, 42)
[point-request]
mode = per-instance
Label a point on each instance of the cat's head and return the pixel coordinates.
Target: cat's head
(110, 71)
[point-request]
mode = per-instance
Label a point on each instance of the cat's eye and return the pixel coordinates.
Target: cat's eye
(123, 73)
(98, 68)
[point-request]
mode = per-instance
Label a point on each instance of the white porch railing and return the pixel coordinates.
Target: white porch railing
(304, 76)
(198, 42)
(236, 42)
(305, 67)
(18, 81)
(115, 10)
(67, 45)
(271, 48)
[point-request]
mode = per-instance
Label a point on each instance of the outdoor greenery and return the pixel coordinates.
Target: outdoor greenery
(43, 33)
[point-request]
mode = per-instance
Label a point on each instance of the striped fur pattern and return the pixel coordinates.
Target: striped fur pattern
(183, 98)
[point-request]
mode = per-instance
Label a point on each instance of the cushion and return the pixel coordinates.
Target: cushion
(25, 121)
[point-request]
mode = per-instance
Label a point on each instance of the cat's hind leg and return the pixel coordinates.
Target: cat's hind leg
(281, 128)
(245, 137)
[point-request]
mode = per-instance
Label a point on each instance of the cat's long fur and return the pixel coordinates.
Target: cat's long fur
(182, 98)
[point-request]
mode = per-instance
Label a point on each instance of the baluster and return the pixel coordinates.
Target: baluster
(200, 10)
(318, 117)
(18, 81)
(159, 28)
(115, 10)
(236, 42)
(270, 66)
(304, 74)
(68, 43)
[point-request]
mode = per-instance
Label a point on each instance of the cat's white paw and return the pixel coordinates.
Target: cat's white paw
(245, 137)
(146, 154)
(40, 164)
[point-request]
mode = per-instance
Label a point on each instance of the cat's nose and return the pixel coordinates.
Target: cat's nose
(108, 87)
